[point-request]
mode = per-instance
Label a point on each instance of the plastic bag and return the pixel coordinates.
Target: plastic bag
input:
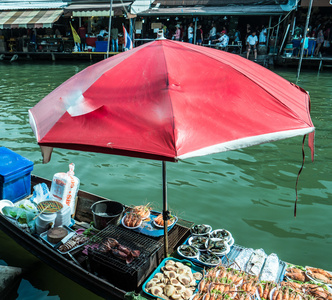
(40, 193)
(22, 216)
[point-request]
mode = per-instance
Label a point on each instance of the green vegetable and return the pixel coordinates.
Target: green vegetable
(13, 214)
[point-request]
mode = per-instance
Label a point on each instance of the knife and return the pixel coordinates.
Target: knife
(64, 240)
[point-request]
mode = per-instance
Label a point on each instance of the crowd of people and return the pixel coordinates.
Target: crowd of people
(222, 39)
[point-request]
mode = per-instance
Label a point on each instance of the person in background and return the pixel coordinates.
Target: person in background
(213, 32)
(237, 36)
(248, 31)
(82, 34)
(223, 40)
(102, 33)
(190, 33)
(115, 41)
(57, 32)
(199, 35)
(252, 42)
(177, 33)
(262, 36)
(182, 33)
(319, 41)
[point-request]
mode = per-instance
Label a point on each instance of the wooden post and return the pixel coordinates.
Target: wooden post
(304, 37)
(109, 28)
(276, 39)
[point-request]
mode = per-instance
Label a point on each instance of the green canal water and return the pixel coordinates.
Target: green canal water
(250, 192)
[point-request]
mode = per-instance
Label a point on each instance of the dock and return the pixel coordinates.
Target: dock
(320, 61)
(54, 56)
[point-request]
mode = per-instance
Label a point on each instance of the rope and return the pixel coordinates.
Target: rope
(297, 2)
(298, 175)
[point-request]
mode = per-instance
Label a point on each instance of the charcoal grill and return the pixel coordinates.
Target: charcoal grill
(117, 271)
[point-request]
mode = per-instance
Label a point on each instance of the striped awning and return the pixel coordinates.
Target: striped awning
(29, 18)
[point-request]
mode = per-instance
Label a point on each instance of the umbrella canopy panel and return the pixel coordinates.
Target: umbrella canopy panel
(170, 100)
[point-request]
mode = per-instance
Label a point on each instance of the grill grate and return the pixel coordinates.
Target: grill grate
(125, 237)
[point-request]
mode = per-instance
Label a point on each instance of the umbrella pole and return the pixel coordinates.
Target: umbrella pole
(165, 211)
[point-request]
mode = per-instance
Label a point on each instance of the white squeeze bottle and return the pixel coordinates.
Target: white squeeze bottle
(65, 187)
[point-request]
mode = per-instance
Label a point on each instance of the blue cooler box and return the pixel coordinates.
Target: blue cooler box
(15, 170)
(101, 46)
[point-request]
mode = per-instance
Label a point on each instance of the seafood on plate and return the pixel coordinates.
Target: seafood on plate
(143, 211)
(187, 251)
(227, 283)
(301, 291)
(75, 241)
(175, 281)
(208, 258)
(200, 229)
(198, 242)
(296, 273)
(264, 289)
(221, 234)
(120, 251)
(319, 275)
(160, 222)
(217, 246)
(132, 220)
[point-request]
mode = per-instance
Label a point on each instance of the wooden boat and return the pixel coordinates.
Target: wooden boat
(76, 267)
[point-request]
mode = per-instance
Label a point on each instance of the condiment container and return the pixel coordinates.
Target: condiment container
(44, 222)
(65, 186)
(63, 216)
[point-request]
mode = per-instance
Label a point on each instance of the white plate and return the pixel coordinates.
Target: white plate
(201, 234)
(146, 216)
(216, 230)
(123, 224)
(194, 237)
(218, 253)
(185, 256)
(4, 203)
(207, 264)
(157, 225)
(308, 273)
(231, 242)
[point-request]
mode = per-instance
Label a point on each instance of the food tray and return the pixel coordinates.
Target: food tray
(194, 269)
(198, 262)
(308, 274)
(148, 228)
(43, 236)
(235, 251)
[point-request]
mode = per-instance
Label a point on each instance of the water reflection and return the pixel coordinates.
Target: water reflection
(275, 230)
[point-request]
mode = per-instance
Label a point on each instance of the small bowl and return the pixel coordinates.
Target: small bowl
(206, 232)
(221, 234)
(208, 254)
(216, 252)
(157, 225)
(146, 217)
(182, 247)
(4, 203)
(123, 224)
(192, 239)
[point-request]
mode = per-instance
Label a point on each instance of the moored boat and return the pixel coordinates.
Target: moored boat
(87, 270)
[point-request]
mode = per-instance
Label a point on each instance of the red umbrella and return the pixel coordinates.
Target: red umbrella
(169, 100)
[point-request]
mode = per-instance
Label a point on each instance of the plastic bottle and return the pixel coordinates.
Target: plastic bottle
(65, 186)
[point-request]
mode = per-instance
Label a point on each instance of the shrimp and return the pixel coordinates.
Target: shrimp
(266, 291)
